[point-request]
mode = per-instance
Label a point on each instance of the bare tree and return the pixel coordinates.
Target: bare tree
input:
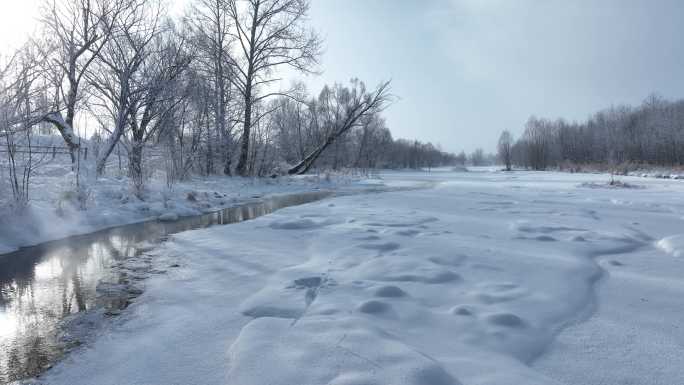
(343, 108)
(504, 148)
(157, 96)
(210, 22)
(269, 34)
(477, 157)
(118, 78)
(76, 32)
(20, 98)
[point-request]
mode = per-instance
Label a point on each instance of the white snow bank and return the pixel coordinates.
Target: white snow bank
(673, 245)
(54, 211)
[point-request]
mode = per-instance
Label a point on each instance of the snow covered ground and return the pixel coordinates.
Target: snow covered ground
(54, 211)
(486, 278)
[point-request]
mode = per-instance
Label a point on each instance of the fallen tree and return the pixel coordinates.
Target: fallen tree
(340, 109)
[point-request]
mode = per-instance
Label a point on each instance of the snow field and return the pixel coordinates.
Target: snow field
(469, 282)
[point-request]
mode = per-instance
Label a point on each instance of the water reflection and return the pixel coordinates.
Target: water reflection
(41, 285)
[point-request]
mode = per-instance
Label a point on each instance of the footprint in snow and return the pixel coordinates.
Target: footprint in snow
(455, 261)
(389, 291)
(381, 247)
(369, 238)
(429, 278)
(463, 310)
(375, 307)
(506, 320)
(408, 233)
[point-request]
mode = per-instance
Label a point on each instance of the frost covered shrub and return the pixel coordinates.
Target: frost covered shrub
(83, 197)
(612, 184)
(80, 198)
(167, 197)
(280, 169)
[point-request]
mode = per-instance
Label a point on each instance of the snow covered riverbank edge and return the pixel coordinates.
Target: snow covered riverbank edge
(52, 214)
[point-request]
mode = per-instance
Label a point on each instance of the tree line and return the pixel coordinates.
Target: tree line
(651, 134)
(202, 87)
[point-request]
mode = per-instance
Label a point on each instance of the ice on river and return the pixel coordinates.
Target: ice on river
(469, 282)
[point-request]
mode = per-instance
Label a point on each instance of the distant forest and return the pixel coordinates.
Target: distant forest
(651, 134)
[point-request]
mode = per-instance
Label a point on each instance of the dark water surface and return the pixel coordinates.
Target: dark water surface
(41, 285)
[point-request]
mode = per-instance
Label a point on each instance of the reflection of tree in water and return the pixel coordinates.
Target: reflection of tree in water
(27, 359)
(38, 356)
(40, 302)
(4, 296)
(78, 292)
(15, 368)
(71, 270)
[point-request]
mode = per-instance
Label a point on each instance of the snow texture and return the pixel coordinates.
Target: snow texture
(486, 278)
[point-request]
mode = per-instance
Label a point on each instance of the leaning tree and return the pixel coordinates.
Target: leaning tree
(268, 34)
(340, 109)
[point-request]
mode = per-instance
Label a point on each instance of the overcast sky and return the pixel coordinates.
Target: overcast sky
(466, 69)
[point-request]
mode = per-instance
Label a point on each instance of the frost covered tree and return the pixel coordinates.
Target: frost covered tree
(624, 137)
(139, 85)
(157, 96)
(210, 22)
(118, 80)
(477, 157)
(340, 109)
(269, 34)
(21, 108)
(295, 124)
(75, 33)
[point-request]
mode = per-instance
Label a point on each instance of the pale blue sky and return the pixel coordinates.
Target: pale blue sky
(467, 69)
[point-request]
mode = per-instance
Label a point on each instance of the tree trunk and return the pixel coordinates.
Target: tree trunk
(135, 166)
(111, 143)
(65, 130)
(221, 116)
(306, 164)
(244, 146)
(242, 166)
(210, 157)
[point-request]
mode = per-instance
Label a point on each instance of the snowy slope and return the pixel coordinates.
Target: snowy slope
(468, 282)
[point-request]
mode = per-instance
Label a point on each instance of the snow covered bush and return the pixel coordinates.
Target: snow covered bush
(80, 198)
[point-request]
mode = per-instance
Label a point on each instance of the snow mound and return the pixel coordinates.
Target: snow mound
(389, 291)
(673, 245)
(375, 307)
(324, 351)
